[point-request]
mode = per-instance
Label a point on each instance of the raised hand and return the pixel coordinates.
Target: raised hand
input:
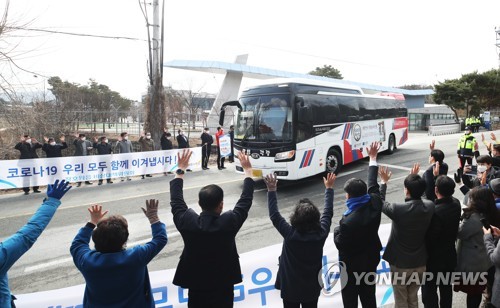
(493, 137)
(245, 164)
(432, 144)
(183, 159)
(372, 150)
(96, 213)
(151, 210)
(62, 138)
(58, 190)
(415, 169)
(22, 139)
(45, 138)
(483, 177)
(435, 169)
(495, 231)
(384, 173)
(33, 140)
(271, 182)
(482, 137)
(95, 139)
(329, 180)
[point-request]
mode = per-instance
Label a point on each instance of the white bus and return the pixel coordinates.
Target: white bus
(297, 128)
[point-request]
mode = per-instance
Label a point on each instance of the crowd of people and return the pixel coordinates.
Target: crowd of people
(28, 146)
(432, 235)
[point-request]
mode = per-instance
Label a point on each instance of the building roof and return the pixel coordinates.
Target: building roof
(265, 73)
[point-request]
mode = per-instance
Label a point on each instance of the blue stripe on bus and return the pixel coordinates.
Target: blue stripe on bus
(303, 159)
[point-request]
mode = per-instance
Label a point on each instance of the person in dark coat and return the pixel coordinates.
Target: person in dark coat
(406, 250)
(209, 265)
(103, 148)
(357, 238)
(302, 252)
(53, 149)
(166, 143)
(436, 157)
(206, 148)
(440, 241)
(27, 147)
(83, 147)
(182, 140)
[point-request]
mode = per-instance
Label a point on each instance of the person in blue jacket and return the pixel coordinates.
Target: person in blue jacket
(115, 276)
(15, 246)
(302, 252)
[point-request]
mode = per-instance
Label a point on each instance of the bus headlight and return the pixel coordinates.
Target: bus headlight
(285, 155)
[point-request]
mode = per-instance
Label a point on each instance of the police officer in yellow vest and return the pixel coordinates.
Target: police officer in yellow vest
(467, 147)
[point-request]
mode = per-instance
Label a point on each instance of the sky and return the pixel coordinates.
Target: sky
(384, 42)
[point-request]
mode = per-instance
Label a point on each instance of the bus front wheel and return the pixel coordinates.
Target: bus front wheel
(333, 161)
(391, 146)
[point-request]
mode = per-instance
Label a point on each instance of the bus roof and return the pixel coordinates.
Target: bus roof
(284, 81)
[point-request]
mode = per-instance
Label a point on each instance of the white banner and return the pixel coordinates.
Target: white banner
(225, 145)
(259, 268)
(42, 171)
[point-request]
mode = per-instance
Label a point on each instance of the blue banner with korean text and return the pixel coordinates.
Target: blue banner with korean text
(43, 171)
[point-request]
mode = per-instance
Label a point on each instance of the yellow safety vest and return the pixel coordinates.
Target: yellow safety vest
(466, 145)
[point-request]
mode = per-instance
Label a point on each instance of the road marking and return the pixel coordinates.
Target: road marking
(60, 261)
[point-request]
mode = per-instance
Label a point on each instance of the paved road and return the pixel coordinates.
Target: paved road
(48, 264)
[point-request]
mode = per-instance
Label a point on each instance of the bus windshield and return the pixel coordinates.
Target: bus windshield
(265, 119)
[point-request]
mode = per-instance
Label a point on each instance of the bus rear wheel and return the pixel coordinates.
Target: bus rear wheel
(333, 161)
(391, 146)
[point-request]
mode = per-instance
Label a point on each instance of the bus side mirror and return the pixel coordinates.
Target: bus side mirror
(221, 117)
(299, 101)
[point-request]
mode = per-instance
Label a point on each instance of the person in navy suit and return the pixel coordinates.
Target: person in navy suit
(209, 265)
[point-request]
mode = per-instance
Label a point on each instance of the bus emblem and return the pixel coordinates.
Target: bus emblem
(255, 155)
(357, 132)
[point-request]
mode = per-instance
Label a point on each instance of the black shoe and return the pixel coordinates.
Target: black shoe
(219, 168)
(110, 182)
(26, 192)
(189, 170)
(79, 184)
(36, 191)
(223, 167)
(100, 183)
(88, 182)
(129, 179)
(142, 177)
(149, 176)
(204, 168)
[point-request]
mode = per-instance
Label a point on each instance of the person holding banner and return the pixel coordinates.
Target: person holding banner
(123, 145)
(116, 276)
(302, 252)
(12, 248)
(53, 149)
(147, 145)
(357, 237)
(82, 148)
(103, 148)
(27, 147)
(209, 265)
(220, 159)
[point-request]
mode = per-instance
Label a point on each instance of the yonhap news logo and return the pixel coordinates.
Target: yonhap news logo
(332, 278)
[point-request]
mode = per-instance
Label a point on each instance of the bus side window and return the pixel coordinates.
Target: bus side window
(348, 109)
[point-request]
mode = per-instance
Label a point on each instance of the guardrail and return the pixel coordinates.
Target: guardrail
(445, 129)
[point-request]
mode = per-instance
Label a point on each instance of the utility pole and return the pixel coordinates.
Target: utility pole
(155, 120)
(497, 30)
